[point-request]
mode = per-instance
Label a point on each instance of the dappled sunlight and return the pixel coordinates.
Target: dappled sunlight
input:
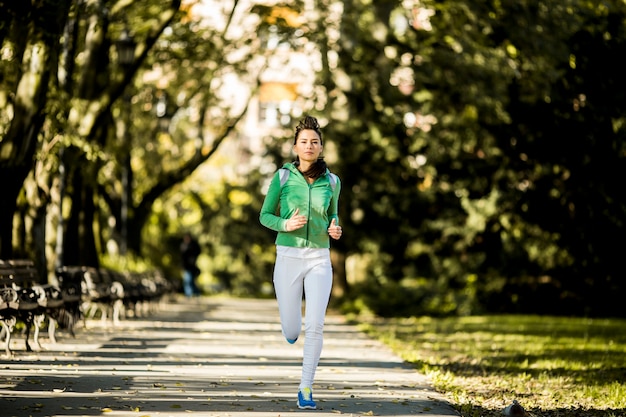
(488, 360)
(211, 355)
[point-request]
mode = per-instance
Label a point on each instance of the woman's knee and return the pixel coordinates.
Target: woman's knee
(291, 332)
(314, 328)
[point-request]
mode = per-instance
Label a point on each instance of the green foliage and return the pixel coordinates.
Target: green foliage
(490, 161)
(237, 252)
(551, 365)
(128, 263)
(480, 145)
(412, 295)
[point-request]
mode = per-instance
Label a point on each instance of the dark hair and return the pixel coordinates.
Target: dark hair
(319, 167)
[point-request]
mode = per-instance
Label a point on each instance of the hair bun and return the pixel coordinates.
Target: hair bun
(309, 122)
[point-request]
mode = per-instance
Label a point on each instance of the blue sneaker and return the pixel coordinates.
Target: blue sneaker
(305, 399)
(292, 341)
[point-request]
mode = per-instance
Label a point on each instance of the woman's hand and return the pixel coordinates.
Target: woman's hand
(296, 221)
(334, 230)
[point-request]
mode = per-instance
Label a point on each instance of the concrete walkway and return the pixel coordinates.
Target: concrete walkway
(209, 357)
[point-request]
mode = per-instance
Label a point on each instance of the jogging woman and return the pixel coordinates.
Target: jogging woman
(301, 205)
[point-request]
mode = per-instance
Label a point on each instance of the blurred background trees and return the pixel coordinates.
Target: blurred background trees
(480, 145)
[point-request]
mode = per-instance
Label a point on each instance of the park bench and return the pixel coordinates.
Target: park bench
(77, 292)
(113, 294)
(151, 287)
(9, 302)
(70, 281)
(136, 293)
(26, 299)
(90, 290)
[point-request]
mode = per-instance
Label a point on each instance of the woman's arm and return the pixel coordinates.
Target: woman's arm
(333, 207)
(268, 215)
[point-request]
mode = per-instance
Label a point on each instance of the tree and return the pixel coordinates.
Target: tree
(191, 59)
(450, 154)
(30, 36)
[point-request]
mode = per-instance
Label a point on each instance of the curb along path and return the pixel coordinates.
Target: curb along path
(213, 357)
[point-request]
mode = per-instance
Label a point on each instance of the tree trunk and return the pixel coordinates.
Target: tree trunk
(34, 31)
(10, 186)
(38, 236)
(79, 243)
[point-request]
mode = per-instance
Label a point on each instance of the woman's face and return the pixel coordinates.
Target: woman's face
(308, 146)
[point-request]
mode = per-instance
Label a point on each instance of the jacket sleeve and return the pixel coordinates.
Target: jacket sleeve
(268, 216)
(334, 203)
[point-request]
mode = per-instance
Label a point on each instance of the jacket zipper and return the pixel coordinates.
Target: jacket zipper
(309, 214)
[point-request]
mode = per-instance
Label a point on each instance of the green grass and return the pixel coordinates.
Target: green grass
(553, 366)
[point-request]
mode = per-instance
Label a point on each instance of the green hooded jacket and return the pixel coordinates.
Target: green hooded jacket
(317, 201)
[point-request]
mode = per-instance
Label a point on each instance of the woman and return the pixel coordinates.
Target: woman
(301, 205)
(190, 250)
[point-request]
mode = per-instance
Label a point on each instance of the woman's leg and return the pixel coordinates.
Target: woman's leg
(188, 283)
(317, 286)
(288, 281)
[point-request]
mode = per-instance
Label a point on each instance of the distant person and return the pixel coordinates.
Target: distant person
(189, 251)
(301, 205)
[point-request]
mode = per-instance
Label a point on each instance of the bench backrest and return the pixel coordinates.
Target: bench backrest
(18, 272)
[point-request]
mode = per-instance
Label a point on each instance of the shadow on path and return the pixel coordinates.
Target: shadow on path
(209, 357)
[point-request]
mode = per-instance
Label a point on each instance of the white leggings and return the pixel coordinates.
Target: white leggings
(299, 270)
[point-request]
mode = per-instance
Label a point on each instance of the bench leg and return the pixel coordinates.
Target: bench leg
(117, 311)
(37, 321)
(104, 312)
(7, 327)
(52, 326)
(91, 310)
(28, 322)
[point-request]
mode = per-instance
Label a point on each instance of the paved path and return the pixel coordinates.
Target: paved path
(209, 357)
